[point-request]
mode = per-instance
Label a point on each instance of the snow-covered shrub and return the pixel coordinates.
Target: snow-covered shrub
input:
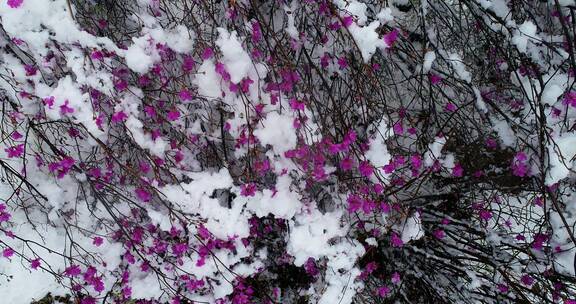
(316, 151)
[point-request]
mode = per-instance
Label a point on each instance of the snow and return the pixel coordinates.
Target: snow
(378, 154)
(367, 39)
(562, 151)
(524, 34)
(282, 203)
(412, 228)
(429, 58)
(236, 60)
(434, 151)
(207, 80)
(505, 133)
(278, 132)
(139, 57)
(385, 15)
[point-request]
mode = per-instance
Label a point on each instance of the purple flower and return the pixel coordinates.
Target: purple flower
(15, 3)
(396, 241)
(390, 38)
(7, 252)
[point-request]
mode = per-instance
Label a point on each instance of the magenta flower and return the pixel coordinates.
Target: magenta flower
(434, 78)
(398, 128)
(347, 21)
(34, 264)
(457, 171)
(383, 291)
(570, 99)
(48, 101)
(439, 234)
(491, 143)
(503, 288)
(142, 194)
(256, 32)
(342, 62)
(354, 203)
(296, 105)
(485, 214)
(119, 117)
(173, 115)
(65, 109)
(16, 135)
(416, 162)
(221, 70)
(390, 38)
(188, 64)
(97, 55)
(30, 70)
(72, 271)
(15, 3)
(527, 280)
(248, 189)
(365, 169)
(207, 54)
(346, 163)
(15, 151)
(88, 300)
(450, 107)
(395, 278)
(97, 241)
(396, 241)
(518, 165)
(185, 95)
(8, 252)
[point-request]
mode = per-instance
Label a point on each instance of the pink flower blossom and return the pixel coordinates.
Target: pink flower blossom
(97, 241)
(256, 32)
(15, 3)
(347, 21)
(485, 214)
(34, 264)
(398, 128)
(346, 163)
(296, 104)
(248, 189)
(207, 54)
(72, 271)
(450, 107)
(185, 95)
(15, 151)
(365, 169)
(527, 280)
(173, 115)
(390, 37)
(342, 62)
(396, 241)
(439, 234)
(457, 171)
(384, 291)
(119, 116)
(97, 55)
(395, 278)
(503, 288)
(518, 165)
(143, 194)
(416, 161)
(8, 252)
(434, 78)
(65, 109)
(188, 64)
(570, 99)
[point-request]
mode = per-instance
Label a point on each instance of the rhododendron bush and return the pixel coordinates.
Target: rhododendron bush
(316, 151)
